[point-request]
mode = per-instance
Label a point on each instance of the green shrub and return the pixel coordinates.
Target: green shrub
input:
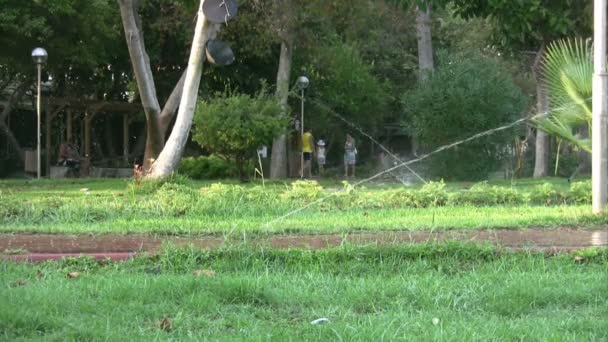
(548, 195)
(175, 199)
(303, 191)
(211, 167)
(11, 209)
(432, 194)
(581, 192)
(481, 194)
(236, 125)
(592, 254)
(468, 94)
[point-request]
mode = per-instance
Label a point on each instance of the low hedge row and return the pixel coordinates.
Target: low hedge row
(176, 198)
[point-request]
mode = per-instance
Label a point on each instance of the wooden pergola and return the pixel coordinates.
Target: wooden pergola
(88, 110)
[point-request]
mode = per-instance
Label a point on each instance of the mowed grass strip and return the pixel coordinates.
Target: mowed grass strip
(322, 222)
(450, 292)
(185, 208)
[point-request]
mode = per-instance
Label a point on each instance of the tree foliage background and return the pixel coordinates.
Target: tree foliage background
(468, 94)
(360, 55)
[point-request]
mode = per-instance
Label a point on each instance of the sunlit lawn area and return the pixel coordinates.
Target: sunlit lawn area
(429, 292)
(450, 291)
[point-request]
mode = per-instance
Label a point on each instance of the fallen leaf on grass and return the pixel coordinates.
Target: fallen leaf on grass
(73, 275)
(207, 273)
(165, 324)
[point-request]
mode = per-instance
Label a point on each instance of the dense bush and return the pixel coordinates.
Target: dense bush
(547, 194)
(581, 192)
(234, 126)
(303, 191)
(211, 167)
(174, 199)
(482, 194)
(468, 94)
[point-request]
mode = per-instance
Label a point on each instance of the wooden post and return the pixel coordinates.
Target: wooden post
(48, 119)
(87, 141)
(69, 126)
(125, 137)
(81, 132)
(599, 136)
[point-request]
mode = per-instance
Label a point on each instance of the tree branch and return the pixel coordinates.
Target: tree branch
(170, 108)
(139, 58)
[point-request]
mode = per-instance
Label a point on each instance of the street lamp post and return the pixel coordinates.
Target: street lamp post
(39, 55)
(302, 83)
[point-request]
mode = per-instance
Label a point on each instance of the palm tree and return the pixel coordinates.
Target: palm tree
(567, 74)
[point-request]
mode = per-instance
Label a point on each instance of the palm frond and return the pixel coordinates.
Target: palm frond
(567, 77)
(567, 72)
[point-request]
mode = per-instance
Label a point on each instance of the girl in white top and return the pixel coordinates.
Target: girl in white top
(321, 155)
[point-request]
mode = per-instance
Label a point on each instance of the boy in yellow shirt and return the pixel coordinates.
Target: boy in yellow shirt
(308, 146)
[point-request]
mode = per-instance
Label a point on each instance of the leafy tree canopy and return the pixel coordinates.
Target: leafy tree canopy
(526, 24)
(74, 32)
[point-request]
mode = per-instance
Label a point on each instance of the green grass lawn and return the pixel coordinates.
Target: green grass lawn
(188, 207)
(425, 292)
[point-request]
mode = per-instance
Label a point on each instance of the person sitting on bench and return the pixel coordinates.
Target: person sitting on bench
(68, 156)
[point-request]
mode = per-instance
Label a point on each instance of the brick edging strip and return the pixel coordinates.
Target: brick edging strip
(40, 257)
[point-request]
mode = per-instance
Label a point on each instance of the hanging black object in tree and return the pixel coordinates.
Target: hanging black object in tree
(220, 11)
(219, 52)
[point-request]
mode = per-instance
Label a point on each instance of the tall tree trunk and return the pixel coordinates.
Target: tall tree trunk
(143, 75)
(278, 161)
(157, 121)
(541, 157)
(155, 141)
(170, 156)
(426, 64)
(425, 42)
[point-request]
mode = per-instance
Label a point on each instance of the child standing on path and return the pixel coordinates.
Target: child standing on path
(321, 155)
(350, 155)
(308, 146)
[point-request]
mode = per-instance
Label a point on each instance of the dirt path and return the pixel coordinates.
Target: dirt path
(36, 247)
